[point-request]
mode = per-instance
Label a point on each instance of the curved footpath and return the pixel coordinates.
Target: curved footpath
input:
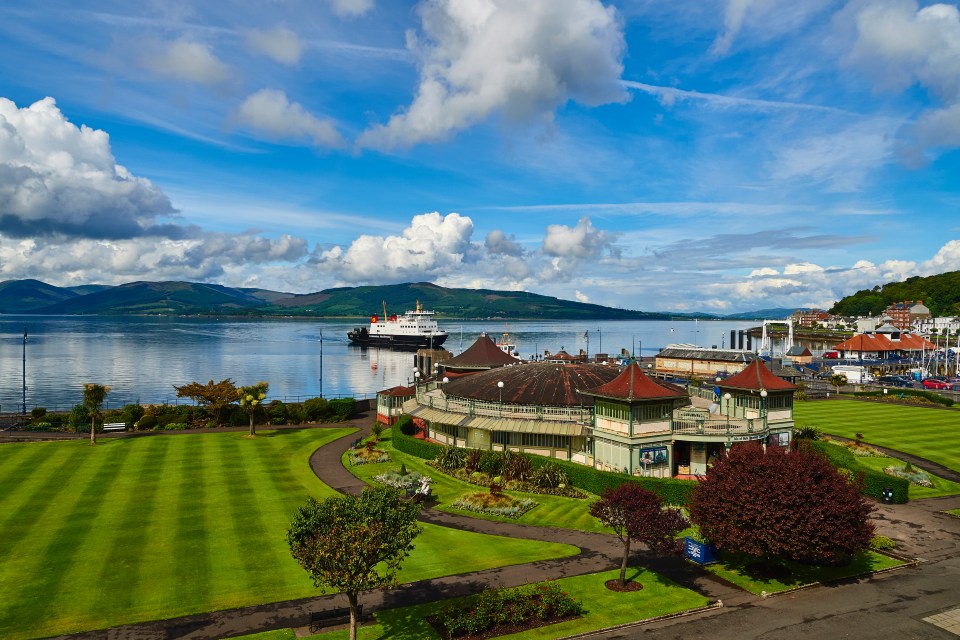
(918, 526)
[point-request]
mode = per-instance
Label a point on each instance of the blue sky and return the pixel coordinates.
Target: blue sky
(708, 155)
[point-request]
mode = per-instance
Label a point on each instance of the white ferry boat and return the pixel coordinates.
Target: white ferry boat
(412, 330)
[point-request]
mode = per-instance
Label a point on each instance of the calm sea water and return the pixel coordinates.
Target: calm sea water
(142, 358)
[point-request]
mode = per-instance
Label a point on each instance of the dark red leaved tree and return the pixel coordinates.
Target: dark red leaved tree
(636, 514)
(780, 503)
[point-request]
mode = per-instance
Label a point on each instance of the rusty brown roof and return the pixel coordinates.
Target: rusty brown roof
(537, 383)
(755, 377)
(398, 392)
(484, 353)
(634, 384)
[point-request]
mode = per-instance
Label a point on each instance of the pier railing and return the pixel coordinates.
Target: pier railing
(719, 427)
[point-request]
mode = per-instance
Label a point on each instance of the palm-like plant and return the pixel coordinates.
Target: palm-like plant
(251, 398)
(93, 396)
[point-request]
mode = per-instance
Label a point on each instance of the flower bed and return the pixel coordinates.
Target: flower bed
(368, 456)
(497, 612)
(494, 504)
(399, 480)
(913, 475)
(481, 479)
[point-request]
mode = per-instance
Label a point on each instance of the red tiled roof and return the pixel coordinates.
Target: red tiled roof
(634, 384)
(880, 342)
(757, 376)
(398, 392)
(482, 353)
(533, 384)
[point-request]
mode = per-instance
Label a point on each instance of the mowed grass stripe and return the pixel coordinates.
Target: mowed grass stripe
(925, 432)
(256, 499)
(18, 466)
(123, 586)
(53, 551)
(37, 493)
(191, 528)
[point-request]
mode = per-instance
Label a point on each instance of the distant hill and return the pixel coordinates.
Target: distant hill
(164, 298)
(762, 314)
(940, 293)
(25, 296)
(190, 298)
(462, 303)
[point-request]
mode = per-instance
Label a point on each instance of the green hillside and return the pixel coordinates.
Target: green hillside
(24, 296)
(462, 303)
(165, 298)
(941, 293)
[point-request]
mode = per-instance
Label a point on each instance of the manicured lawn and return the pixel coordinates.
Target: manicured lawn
(940, 486)
(933, 434)
(604, 608)
(156, 527)
(733, 569)
(552, 511)
(954, 512)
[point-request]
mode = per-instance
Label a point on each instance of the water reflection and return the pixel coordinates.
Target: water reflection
(142, 358)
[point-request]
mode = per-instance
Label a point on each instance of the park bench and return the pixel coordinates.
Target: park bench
(115, 426)
(321, 619)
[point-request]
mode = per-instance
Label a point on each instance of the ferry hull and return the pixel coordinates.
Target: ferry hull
(364, 338)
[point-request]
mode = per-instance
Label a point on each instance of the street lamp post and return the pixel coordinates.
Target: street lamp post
(321, 363)
(500, 406)
(24, 407)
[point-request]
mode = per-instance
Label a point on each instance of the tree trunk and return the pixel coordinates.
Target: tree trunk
(623, 566)
(253, 429)
(93, 430)
(352, 597)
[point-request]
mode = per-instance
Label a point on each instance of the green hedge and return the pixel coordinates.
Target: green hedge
(413, 446)
(919, 393)
(672, 492)
(873, 481)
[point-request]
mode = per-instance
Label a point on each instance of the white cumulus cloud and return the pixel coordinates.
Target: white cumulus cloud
(279, 43)
(898, 44)
(268, 112)
(60, 179)
(583, 241)
(186, 60)
(518, 59)
(433, 245)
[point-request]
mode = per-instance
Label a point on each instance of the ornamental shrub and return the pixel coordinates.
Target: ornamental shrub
(317, 410)
(277, 412)
(414, 446)
(870, 481)
(146, 423)
(131, 413)
(450, 458)
(781, 504)
(79, 417)
(343, 408)
(38, 413)
(406, 425)
(472, 463)
(492, 462)
(882, 543)
(549, 476)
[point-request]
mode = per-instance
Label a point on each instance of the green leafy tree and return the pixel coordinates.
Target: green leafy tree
(93, 397)
(354, 543)
(636, 514)
(214, 397)
(251, 398)
(838, 380)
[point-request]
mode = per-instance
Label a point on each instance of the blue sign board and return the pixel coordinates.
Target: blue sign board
(699, 552)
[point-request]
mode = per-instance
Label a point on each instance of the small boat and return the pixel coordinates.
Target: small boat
(508, 347)
(413, 330)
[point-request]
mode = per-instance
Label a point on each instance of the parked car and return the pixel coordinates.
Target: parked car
(937, 383)
(832, 355)
(895, 381)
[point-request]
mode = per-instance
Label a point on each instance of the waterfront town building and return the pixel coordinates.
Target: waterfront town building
(598, 415)
(809, 318)
(903, 314)
(688, 361)
(886, 343)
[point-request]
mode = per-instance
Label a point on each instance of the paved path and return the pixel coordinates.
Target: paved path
(919, 527)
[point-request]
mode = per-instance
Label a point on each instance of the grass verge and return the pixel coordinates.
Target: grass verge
(138, 529)
(927, 433)
(551, 511)
(604, 608)
(733, 569)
